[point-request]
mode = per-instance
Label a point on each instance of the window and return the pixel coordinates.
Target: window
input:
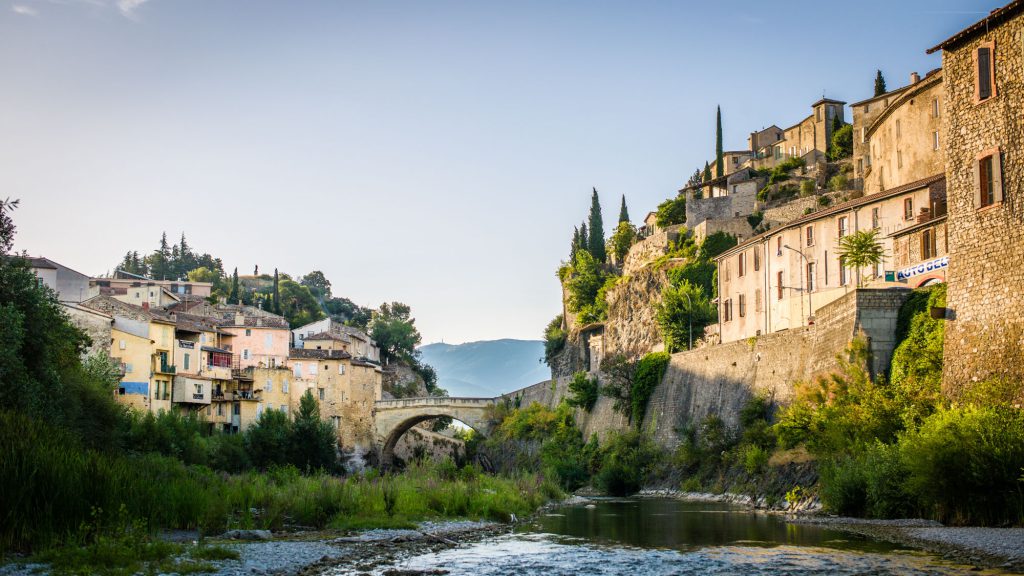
(727, 310)
(778, 245)
(875, 217)
(341, 369)
(248, 332)
(270, 385)
(928, 244)
(741, 264)
(312, 368)
(779, 285)
(867, 108)
(826, 267)
(245, 354)
(935, 140)
(336, 422)
(988, 179)
(809, 233)
(843, 229)
(122, 345)
(199, 388)
(268, 341)
(743, 305)
(128, 367)
(236, 408)
(899, 159)
(757, 259)
(935, 108)
(863, 135)
(810, 276)
(879, 270)
(298, 370)
(284, 408)
(757, 301)
(860, 165)
(842, 271)
(897, 129)
(186, 360)
(984, 61)
(321, 393)
(284, 386)
(908, 208)
(220, 409)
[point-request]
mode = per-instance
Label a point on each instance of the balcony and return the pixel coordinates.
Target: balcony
(164, 368)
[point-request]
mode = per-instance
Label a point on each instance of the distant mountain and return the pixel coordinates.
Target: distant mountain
(488, 368)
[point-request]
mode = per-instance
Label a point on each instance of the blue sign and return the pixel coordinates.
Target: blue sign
(923, 268)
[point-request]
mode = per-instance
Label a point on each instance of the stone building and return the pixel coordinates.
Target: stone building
(896, 136)
(778, 280)
(762, 143)
(70, 285)
(732, 196)
(983, 132)
(808, 139)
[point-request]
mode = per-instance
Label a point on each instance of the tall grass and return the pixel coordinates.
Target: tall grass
(50, 485)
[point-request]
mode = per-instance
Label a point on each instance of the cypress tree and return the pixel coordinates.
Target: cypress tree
(707, 172)
(719, 152)
(880, 84)
(584, 238)
(277, 296)
(575, 244)
(596, 244)
(233, 294)
(623, 212)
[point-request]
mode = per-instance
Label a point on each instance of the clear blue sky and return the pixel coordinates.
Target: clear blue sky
(436, 153)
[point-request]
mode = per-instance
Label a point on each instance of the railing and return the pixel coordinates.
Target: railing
(165, 368)
(431, 401)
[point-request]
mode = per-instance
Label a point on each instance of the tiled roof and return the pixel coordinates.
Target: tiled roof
(837, 209)
(40, 263)
(302, 354)
(995, 18)
(326, 336)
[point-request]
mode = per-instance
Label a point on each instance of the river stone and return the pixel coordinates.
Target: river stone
(247, 535)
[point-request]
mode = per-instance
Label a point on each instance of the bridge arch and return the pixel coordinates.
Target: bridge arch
(393, 418)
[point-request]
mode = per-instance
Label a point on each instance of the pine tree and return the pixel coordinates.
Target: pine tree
(277, 295)
(880, 84)
(233, 294)
(596, 244)
(584, 237)
(707, 172)
(719, 152)
(623, 211)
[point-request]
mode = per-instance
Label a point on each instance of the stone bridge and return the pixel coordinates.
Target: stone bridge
(392, 418)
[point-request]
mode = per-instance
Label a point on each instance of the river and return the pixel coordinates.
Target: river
(662, 536)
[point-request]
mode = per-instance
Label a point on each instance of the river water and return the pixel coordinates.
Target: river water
(661, 536)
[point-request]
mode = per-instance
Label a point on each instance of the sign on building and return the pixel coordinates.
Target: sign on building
(923, 268)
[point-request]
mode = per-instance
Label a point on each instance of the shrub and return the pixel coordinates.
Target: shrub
(672, 211)
(870, 483)
(684, 310)
(755, 219)
(649, 372)
(626, 462)
(583, 391)
(838, 182)
(755, 459)
(842, 143)
(824, 201)
(807, 188)
(554, 339)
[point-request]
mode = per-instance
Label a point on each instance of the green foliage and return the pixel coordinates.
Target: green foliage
(671, 212)
(715, 244)
(623, 211)
(649, 372)
(755, 219)
(596, 241)
(394, 330)
(583, 391)
(879, 84)
(296, 303)
(348, 312)
(623, 238)
(824, 201)
(917, 360)
(719, 154)
(626, 461)
(842, 143)
(860, 250)
(318, 284)
(620, 371)
(807, 188)
(838, 183)
(684, 310)
(234, 296)
(313, 442)
(539, 438)
(268, 440)
(583, 285)
(554, 338)
(174, 262)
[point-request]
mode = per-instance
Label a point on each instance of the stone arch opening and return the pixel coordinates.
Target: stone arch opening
(387, 453)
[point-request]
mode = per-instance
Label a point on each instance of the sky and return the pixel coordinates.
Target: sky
(434, 153)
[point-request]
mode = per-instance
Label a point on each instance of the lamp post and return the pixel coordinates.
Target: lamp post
(810, 310)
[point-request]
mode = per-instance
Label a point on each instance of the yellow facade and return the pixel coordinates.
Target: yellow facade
(134, 353)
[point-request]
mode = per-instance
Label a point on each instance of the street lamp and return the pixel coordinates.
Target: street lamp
(810, 309)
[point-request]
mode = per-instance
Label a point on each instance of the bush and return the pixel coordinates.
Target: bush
(755, 459)
(838, 182)
(755, 219)
(870, 484)
(583, 391)
(626, 462)
(649, 372)
(684, 310)
(807, 188)
(824, 201)
(842, 143)
(554, 339)
(671, 212)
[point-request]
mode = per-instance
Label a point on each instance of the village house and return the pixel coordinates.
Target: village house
(896, 136)
(983, 136)
(808, 139)
(762, 143)
(260, 338)
(70, 285)
(202, 359)
(358, 343)
(778, 279)
(732, 161)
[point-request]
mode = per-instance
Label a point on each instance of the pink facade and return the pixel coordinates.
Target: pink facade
(259, 345)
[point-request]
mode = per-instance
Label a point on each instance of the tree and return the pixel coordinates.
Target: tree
(268, 440)
(719, 153)
(583, 284)
(671, 211)
(880, 84)
(842, 143)
(584, 237)
(394, 330)
(596, 244)
(619, 370)
(159, 261)
(583, 391)
(695, 182)
(622, 239)
(707, 172)
(318, 284)
(684, 311)
(203, 274)
(861, 249)
(297, 303)
(623, 211)
(233, 294)
(276, 293)
(575, 243)
(313, 441)
(348, 312)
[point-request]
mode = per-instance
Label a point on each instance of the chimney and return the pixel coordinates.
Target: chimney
(239, 319)
(145, 305)
(259, 321)
(915, 77)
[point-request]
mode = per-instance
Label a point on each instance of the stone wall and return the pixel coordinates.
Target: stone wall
(741, 200)
(650, 249)
(720, 379)
(631, 327)
(985, 323)
(796, 208)
(420, 441)
(738, 227)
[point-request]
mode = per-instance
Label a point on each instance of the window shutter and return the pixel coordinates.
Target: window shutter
(984, 73)
(977, 183)
(997, 177)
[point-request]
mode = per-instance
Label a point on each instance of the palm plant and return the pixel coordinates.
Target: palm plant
(861, 249)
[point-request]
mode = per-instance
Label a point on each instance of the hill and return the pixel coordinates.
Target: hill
(487, 368)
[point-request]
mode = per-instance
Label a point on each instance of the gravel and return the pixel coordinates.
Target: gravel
(1007, 543)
